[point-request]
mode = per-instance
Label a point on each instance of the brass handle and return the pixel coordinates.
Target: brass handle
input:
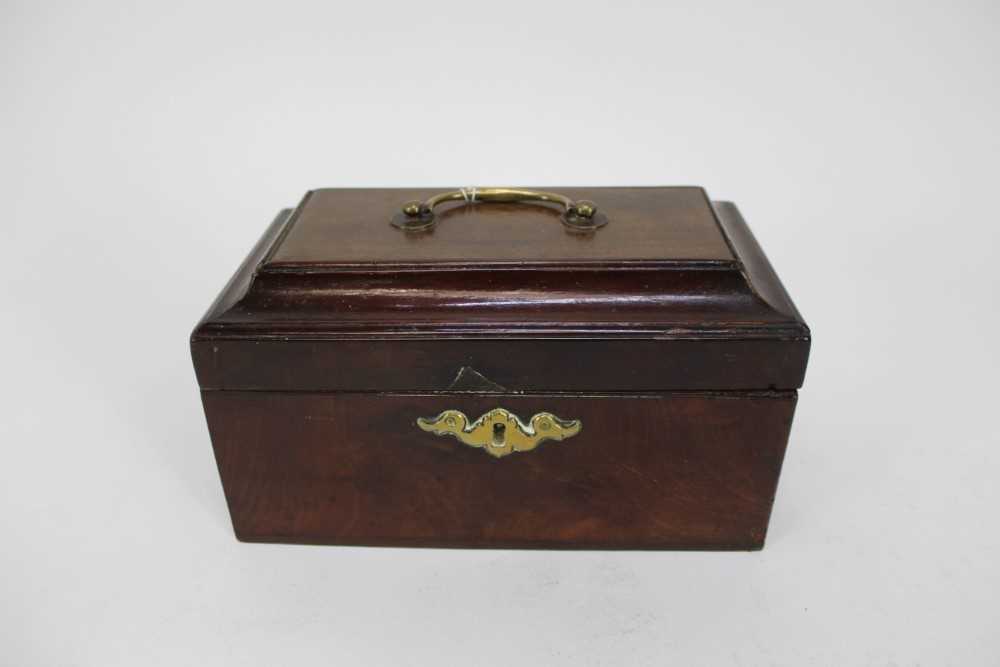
(499, 431)
(579, 215)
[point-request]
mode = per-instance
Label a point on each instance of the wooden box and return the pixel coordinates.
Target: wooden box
(503, 368)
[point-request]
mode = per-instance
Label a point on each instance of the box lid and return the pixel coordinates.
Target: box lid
(656, 288)
(334, 229)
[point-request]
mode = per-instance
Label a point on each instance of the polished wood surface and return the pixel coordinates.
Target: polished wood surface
(691, 471)
(351, 226)
(610, 327)
(519, 364)
(678, 347)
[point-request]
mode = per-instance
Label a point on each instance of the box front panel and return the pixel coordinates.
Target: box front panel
(672, 470)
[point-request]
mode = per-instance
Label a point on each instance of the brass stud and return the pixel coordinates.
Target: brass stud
(412, 209)
(585, 209)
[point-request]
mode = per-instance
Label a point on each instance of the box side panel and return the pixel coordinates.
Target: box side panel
(673, 470)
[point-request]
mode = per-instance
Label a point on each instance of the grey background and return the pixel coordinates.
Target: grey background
(145, 146)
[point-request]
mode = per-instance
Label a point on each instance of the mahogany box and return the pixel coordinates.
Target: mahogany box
(588, 368)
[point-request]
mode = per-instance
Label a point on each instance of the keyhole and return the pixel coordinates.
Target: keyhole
(499, 433)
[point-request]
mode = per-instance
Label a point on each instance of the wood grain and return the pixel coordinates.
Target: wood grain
(612, 326)
(338, 226)
(667, 332)
(692, 471)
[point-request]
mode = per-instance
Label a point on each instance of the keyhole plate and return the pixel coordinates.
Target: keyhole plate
(500, 432)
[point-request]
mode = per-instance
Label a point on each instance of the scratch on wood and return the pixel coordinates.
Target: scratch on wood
(638, 473)
(319, 418)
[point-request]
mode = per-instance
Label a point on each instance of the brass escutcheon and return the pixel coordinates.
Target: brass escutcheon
(499, 431)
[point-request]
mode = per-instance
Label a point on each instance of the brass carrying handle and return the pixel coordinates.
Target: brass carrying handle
(580, 216)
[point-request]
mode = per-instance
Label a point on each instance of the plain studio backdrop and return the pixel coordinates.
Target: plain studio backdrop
(145, 147)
